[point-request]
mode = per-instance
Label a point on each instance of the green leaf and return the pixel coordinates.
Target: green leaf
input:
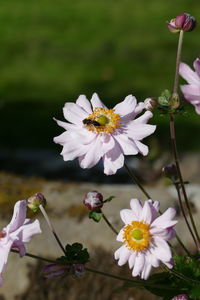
(167, 289)
(75, 254)
(96, 216)
(109, 199)
(195, 292)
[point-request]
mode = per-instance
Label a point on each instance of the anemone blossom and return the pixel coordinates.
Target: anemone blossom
(145, 237)
(94, 131)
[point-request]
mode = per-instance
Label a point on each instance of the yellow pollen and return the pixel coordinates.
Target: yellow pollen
(108, 120)
(137, 236)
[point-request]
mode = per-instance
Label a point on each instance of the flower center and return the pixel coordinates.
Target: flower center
(137, 236)
(102, 120)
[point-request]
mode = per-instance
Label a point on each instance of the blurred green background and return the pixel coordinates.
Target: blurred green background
(52, 51)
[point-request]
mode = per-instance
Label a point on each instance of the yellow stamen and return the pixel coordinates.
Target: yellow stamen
(137, 236)
(108, 120)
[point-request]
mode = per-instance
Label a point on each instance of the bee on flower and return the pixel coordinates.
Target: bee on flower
(95, 132)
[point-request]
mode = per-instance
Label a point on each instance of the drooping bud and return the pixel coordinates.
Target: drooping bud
(35, 201)
(183, 22)
(170, 171)
(54, 270)
(93, 200)
(181, 297)
(150, 104)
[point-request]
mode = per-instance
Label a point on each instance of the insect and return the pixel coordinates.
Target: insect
(91, 122)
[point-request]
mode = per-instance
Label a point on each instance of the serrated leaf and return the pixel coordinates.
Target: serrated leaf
(96, 216)
(109, 199)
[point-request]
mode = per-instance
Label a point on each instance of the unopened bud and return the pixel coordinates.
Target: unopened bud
(93, 200)
(35, 201)
(170, 171)
(78, 270)
(183, 22)
(181, 297)
(54, 270)
(150, 104)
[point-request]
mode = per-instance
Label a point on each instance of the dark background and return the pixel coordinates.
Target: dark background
(52, 51)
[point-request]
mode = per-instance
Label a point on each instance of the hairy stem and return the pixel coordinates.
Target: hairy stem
(178, 58)
(52, 228)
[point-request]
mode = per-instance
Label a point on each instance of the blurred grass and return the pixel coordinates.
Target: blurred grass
(52, 51)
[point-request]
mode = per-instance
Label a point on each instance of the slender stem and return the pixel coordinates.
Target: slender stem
(52, 228)
(139, 282)
(35, 256)
(183, 212)
(175, 153)
(109, 224)
(136, 282)
(136, 180)
(178, 58)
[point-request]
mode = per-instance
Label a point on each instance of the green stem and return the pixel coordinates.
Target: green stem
(52, 228)
(178, 58)
(109, 224)
(136, 180)
(183, 212)
(35, 257)
(175, 153)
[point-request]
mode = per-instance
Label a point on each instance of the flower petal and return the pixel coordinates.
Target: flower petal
(161, 250)
(83, 102)
(128, 146)
(139, 263)
(143, 119)
(74, 113)
(19, 216)
(96, 102)
(93, 155)
(146, 215)
(126, 108)
(143, 149)
(137, 131)
(120, 235)
(124, 256)
(188, 74)
(127, 216)
(136, 207)
(197, 66)
(113, 160)
(165, 220)
(131, 260)
(191, 89)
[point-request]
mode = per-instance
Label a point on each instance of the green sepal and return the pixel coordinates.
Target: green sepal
(95, 215)
(109, 199)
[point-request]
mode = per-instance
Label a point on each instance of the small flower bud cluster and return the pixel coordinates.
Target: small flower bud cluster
(93, 200)
(183, 22)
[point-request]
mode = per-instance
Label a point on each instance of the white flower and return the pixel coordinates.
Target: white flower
(144, 237)
(96, 132)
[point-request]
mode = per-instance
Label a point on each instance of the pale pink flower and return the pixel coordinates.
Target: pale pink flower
(191, 91)
(145, 237)
(19, 231)
(96, 132)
